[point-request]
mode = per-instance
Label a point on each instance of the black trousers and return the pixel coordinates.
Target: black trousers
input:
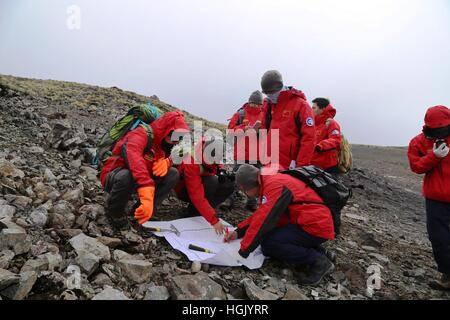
(438, 227)
(292, 245)
(215, 193)
(120, 186)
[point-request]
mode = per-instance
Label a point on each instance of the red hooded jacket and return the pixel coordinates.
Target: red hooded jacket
(294, 118)
(129, 151)
(191, 174)
(280, 197)
(251, 115)
(328, 139)
(436, 185)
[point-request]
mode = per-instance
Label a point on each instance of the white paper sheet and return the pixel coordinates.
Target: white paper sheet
(199, 232)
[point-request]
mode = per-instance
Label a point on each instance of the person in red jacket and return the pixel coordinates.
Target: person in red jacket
(250, 116)
(200, 186)
(133, 167)
(428, 154)
(287, 110)
(328, 136)
(287, 228)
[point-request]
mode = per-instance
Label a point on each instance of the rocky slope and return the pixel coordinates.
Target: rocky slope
(52, 217)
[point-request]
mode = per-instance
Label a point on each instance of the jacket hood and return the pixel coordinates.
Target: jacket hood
(168, 122)
(437, 117)
(328, 112)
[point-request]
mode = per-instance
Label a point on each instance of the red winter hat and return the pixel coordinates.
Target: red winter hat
(437, 117)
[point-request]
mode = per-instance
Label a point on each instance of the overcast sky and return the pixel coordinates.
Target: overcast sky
(381, 62)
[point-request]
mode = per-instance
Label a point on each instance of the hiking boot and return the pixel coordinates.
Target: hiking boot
(443, 283)
(119, 223)
(331, 255)
(318, 270)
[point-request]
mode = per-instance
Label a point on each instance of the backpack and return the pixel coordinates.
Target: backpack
(141, 115)
(345, 157)
(333, 193)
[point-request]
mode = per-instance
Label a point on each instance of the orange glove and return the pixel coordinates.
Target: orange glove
(161, 166)
(145, 210)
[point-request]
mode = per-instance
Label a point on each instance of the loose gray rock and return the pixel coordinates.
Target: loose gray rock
(256, 293)
(7, 212)
(88, 262)
(196, 287)
(110, 294)
(196, 266)
(157, 293)
(15, 239)
(48, 175)
(6, 257)
(102, 280)
(293, 293)
(7, 278)
(84, 244)
(39, 216)
(137, 271)
(75, 197)
(22, 289)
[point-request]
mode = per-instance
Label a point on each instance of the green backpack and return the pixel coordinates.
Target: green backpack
(141, 115)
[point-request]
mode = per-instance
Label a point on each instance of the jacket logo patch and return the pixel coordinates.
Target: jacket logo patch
(335, 132)
(309, 122)
(286, 113)
(264, 200)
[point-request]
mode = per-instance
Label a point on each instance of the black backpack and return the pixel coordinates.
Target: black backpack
(333, 193)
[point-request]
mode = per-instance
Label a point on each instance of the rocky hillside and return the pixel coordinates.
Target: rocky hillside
(52, 217)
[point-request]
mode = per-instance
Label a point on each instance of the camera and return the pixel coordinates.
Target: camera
(225, 175)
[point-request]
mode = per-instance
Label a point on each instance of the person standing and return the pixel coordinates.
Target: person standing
(328, 137)
(428, 154)
(287, 110)
(249, 116)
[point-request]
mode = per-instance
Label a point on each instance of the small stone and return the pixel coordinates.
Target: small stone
(8, 278)
(294, 293)
(39, 217)
(122, 255)
(314, 293)
(196, 287)
(110, 242)
(36, 149)
(102, 280)
(92, 211)
(157, 293)
(69, 233)
(75, 197)
(368, 248)
(7, 212)
(9, 170)
(36, 265)
(110, 294)
(84, 244)
(22, 201)
(137, 271)
(15, 239)
(356, 217)
(20, 291)
(88, 262)
(256, 293)
(196, 266)
(6, 256)
(48, 175)
(379, 257)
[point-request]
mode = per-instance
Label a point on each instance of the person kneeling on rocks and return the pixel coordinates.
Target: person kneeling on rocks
(429, 154)
(135, 166)
(287, 228)
(204, 185)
